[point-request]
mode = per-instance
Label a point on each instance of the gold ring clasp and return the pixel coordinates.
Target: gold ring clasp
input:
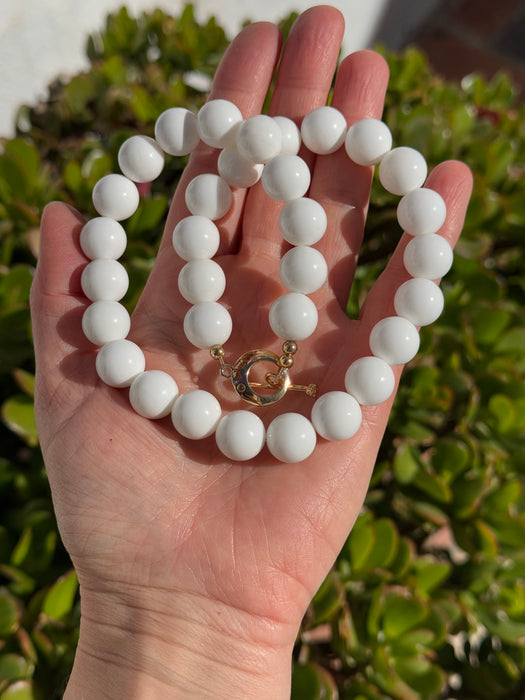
(262, 392)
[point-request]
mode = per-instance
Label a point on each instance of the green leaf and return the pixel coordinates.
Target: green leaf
(360, 542)
(502, 409)
(60, 597)
(401, 614)
(20, 690)
(312, 682)
(25, 380)
(19, 416)
(512, 340)
(9, 613)
(14, 667)
(406, 463)
(430, 573)
(421, 675)
(386, 541)
(450, 458)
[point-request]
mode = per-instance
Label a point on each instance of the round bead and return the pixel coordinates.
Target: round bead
(286, 178)
(421, 212)
(115, 196)
(293, 316)
(104, 279)
(104, 321)
(103, 237)
(119, 362)
(323, 130)
(291, 437)
(152, 394)
(303, 221)
(176, 131)
(196, 238)
(291, 135)
(395, 340)
(195, 414)
(208, 195)
(420, 301)
(217, 122)
(402, 170)
(336, 415)
(259, 138)
(141, 158)
(201, 280)
(370, 380)
(428, 256)
(207, 324)
(240, 435)
(367, 141)
(237, 170)
(303, 269)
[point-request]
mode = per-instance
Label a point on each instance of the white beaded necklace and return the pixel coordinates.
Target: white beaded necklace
(259, 147)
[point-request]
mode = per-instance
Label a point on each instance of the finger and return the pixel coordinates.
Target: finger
(341, 186)
(57, 301)
(244, 76)
(303, 82)
(453, 181)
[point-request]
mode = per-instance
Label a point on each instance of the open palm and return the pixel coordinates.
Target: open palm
(158, 523)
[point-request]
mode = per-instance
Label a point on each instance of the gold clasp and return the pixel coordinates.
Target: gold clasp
(276, 383)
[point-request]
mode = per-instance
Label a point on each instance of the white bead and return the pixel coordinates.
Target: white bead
(303, 269)
(217, 122)
(421, 212)
(208, 195)
(336, 415)
(291, 437)
(207, 324)
(176, 131)
(259, 138)
(395, 340)
(291, 135)
(201, 280)
(115, 196)
(303, 221)
(104, 279)
(240, 435)
(237, 170)
(293, 316)
(323, 130)
(119, 362)
(103, 237)
(196, 238)
(104, 321)
(367, 141)
(402, 170)
(420, 301)
(370, 380)
(141, 158)
(195, 414)
(286, 178)
(153, 393)
(428, 256)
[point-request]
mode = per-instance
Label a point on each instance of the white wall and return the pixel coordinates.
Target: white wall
(41, 39)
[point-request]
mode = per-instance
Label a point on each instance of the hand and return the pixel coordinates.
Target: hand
(195, 572)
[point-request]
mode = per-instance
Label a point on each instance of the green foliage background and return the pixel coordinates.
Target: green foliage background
(427, 599)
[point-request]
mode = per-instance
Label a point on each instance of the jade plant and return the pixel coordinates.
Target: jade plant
(427, 598)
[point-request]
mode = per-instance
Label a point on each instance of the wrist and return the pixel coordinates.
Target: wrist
(177, 646)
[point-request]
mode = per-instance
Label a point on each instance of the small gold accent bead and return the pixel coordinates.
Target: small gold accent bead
(241, 388)
(217, 351)
(286, 361)
(289, 347)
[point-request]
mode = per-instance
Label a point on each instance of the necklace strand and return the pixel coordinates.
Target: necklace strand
(265, 148)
